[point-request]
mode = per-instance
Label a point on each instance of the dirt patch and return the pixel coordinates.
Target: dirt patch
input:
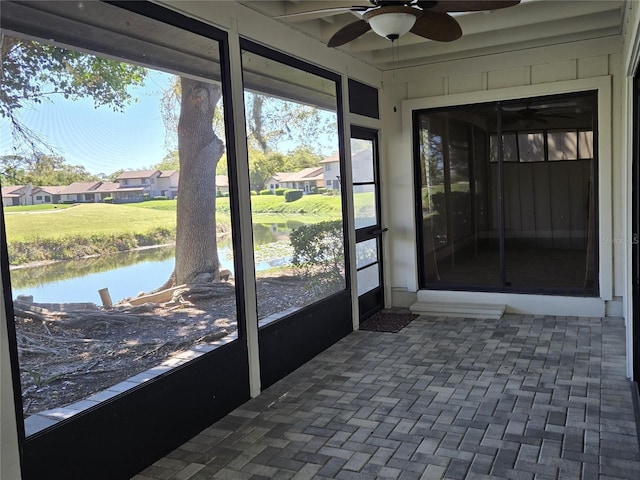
(65, 358)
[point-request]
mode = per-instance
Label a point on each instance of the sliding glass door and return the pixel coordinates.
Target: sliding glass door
(506, 197)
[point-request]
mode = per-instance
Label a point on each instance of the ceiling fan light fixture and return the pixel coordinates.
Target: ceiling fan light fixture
(392, 23)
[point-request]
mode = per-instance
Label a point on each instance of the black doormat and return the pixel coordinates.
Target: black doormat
(388, 321)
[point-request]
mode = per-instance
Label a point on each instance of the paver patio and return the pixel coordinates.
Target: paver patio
(525, 397)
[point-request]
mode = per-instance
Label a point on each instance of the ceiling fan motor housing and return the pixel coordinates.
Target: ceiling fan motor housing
(392, 21)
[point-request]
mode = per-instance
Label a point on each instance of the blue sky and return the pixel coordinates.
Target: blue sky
(101, 140)
(104, 141)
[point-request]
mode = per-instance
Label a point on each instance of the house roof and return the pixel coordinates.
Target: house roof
(137, 174)
(304, 175)
(80, 187)
(12, 191)
(332, 159)
(222, 181)
(107, 187)
(167, 173)
(50, 189)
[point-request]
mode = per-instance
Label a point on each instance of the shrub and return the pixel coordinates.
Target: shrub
(292, 195)
(322, 190)
(266, 192)
(160, 197)
(280, 191)
(318, 252)
(225, 194)
(107, 199)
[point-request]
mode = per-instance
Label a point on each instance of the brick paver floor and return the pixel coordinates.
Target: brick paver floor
(525, 397)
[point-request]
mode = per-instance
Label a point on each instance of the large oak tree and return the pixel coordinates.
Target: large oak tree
(32, 71)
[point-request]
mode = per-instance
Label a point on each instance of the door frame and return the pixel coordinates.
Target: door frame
(635, 226)
(374, 300)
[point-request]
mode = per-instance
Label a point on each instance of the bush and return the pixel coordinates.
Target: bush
(266, 192)
(107, 199)
(322, 190)
(253, 193)
(225, 194)
(292, 195)
(280, 191)
(160, 197)
(318, 252)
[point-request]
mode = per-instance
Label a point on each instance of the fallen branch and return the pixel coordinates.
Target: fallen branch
(18, 312)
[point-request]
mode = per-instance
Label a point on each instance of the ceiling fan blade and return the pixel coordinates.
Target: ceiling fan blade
(470, 5)
(349, 32)
(323, 12)
(437, 26)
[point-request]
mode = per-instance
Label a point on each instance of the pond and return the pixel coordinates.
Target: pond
(128, 273)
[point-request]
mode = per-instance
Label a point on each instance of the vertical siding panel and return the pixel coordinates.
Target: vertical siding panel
(560, 203)
(527, 204)
(578, 190)
(511, 201)
(542, 204)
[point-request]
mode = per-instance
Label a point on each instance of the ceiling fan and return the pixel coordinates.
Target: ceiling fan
(537, 114)
(393, 18)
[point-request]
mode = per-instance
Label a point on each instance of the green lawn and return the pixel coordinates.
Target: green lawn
(35, 208)
(36, 222)
(273, 204)
(84, 219)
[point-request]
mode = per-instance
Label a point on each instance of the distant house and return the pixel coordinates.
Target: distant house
(47, 194)
(152, 182)
(331, 171)
(222, 184)
(118, 193)
(17, 195)
(361, 168)
(167, 183)
(305, 180)
(129, 186)
(80, 192)
(145, 179)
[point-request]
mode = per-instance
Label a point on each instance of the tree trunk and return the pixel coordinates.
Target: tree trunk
(200, 149)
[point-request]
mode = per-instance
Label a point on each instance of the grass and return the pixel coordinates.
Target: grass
(35, 208)
(87, 219)
(320, 205)
(41, 232)
(45, 221)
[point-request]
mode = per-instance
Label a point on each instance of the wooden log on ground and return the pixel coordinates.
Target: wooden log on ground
(105, 297)
(158, 297)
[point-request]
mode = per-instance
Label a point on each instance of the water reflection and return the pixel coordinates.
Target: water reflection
(128, 273)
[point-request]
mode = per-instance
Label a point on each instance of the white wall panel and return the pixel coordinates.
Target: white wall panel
(427, 87)
(554, 72)
(512, 77)
(467, 83)
(593, 66)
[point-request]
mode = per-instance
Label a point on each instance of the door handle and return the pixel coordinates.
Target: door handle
(378, 231)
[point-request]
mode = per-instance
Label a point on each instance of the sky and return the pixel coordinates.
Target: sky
(100, 139)
(104, 141)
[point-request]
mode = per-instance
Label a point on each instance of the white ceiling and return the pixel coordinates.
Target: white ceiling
(532, 23)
